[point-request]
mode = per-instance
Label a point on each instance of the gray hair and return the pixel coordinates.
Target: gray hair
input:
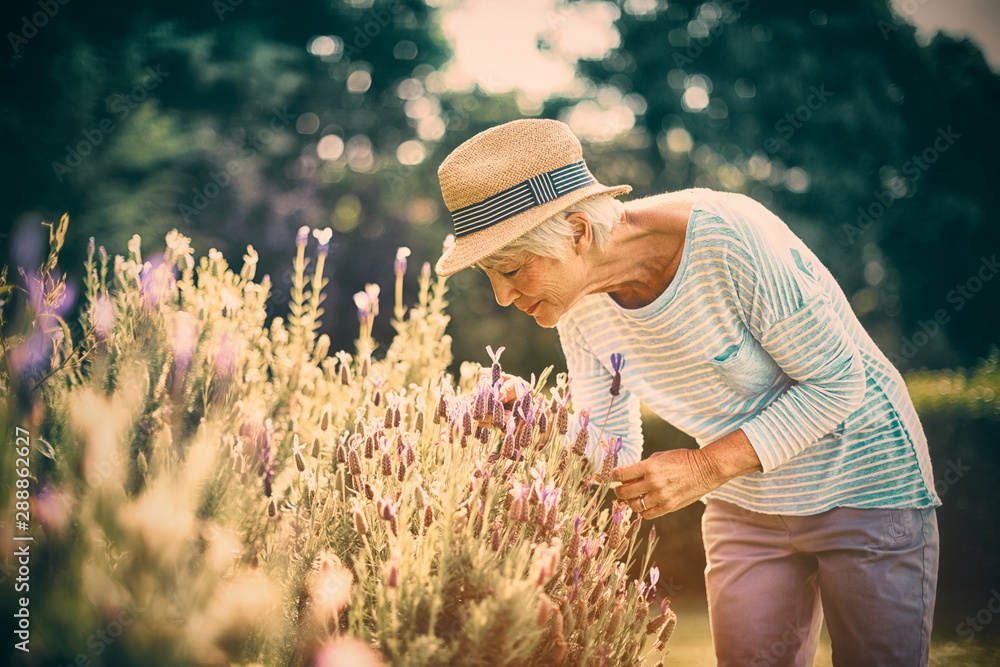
(549, 239)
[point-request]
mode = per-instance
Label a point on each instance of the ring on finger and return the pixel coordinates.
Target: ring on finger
(642, 501)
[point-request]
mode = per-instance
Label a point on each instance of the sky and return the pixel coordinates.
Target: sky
(977, 19)
(496, 42)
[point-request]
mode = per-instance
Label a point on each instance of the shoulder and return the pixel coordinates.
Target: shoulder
(591, 313)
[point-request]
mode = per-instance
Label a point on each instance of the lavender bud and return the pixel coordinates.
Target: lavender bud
(272, 509)
(386, 464)
(418, 496)
(497, 412)
(354, 461)
(402, 471)
(495, 542)
(543, 422)
(484, 435)
(369, 447)
(668, 630)
(411, 455)
(315, 448)
(341, 454)
(562, 422)
(464, 442)
(466, 423)
(479, 407)
(526, 404)
(360, 522)
(418, 424)
(377, 397)
(345, 374)
(428, 516)
(397, 416)
(606, 467)
(324, 421)
(387, 423)
(300, 462)
(580, 446)
(497, 373)
(516, 511)
(523, 436)
(369, 491)
(507, 451)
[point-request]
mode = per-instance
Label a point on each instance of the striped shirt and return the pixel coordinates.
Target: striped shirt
(754, 333)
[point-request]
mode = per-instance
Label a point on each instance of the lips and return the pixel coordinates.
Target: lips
(531, 311)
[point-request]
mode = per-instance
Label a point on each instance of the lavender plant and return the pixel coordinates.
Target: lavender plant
(243, 496)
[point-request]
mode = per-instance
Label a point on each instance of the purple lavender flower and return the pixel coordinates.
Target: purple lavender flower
(611, 450)
(103, 317)
(302, 237)
(400, 264)
(617, 363)
(364, 307)
(156, 280)
(323, 236)
(225, 358)
(496, 371)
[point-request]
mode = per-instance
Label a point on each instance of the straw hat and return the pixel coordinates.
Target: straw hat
(507, 180)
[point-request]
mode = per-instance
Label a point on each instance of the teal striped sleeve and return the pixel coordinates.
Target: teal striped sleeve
(794, 321)
(591, 383)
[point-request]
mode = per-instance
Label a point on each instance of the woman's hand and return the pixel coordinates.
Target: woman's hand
(670, 480)
(666, 481)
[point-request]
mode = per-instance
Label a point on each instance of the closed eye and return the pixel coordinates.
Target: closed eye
(510, 274)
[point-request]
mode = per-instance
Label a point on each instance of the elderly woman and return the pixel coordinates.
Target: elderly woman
(813, 464)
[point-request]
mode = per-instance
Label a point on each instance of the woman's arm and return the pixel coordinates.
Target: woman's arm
(676, 478)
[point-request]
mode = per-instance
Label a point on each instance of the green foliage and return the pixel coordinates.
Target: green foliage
(222, 490)
(959, 393)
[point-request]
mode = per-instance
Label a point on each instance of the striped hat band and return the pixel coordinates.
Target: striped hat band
(522, 197)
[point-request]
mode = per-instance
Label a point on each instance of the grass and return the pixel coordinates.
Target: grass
(691, 644)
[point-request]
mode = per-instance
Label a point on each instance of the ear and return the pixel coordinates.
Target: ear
(583, 232)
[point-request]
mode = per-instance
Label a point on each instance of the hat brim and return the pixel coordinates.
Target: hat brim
(476, 246)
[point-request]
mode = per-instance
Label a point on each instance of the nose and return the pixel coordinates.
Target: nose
(503, 290)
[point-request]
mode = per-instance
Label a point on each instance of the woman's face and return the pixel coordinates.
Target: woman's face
(543, 287)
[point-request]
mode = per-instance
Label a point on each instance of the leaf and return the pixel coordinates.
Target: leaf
(45, 448)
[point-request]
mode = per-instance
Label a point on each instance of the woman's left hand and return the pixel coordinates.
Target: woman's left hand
(673, 479)
(667, 481)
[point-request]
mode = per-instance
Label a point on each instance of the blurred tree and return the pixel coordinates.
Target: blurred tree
(878, 151)
(235, 122)
(238, 121)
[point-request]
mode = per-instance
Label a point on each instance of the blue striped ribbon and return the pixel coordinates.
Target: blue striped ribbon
(521, 197)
